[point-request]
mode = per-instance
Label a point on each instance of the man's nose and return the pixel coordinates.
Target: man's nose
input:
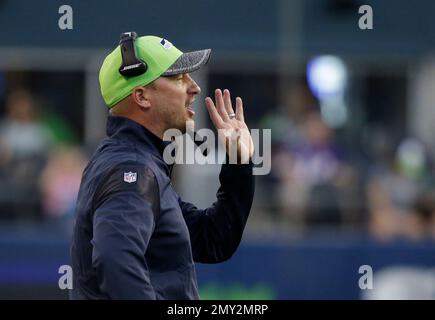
(193, 87)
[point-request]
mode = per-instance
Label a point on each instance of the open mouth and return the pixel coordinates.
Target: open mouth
(190, 109)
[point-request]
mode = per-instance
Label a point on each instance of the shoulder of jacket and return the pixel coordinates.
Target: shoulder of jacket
(126, 176)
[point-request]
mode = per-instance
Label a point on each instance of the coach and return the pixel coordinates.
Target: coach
(134, 238)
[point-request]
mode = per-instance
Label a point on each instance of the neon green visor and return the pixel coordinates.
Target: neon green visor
(161, 58)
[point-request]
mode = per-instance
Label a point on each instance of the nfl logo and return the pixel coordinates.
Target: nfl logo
(166, 44)
(130, 177)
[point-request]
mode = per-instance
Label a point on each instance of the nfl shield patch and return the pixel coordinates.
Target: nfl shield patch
(166, 44)
(130, 177)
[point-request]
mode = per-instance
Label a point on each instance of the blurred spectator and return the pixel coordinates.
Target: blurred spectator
(24, 142)
(285, 124)
(313, 182)
(393, 190)
(317, 175)
(20, 131)
(60, 182)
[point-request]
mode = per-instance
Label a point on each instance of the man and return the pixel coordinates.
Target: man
(134, 238)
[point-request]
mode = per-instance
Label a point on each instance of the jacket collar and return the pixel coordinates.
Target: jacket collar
(132, 131)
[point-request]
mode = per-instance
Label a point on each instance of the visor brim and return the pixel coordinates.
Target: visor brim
(189, 62)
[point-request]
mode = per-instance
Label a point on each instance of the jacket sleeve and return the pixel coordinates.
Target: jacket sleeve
(216, 232)
(123, 222)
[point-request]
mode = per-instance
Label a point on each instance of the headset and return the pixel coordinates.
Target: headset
(131, 65)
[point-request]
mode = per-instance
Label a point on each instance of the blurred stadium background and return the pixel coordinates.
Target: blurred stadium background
(353, 140)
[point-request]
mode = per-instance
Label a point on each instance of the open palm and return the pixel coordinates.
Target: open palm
(231, 125)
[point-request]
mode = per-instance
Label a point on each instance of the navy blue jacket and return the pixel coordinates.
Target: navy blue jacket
(134, 238)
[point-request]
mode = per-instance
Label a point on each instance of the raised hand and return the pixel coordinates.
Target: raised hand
(231, 126)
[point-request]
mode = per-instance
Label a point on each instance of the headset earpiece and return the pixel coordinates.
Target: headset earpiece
(131, 65)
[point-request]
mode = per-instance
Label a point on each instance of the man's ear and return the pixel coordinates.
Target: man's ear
(140, 96)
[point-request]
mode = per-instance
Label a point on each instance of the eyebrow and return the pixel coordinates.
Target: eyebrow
(174, 76)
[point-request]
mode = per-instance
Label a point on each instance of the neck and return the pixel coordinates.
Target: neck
(145, 118)
(156, 130)
(152, 127)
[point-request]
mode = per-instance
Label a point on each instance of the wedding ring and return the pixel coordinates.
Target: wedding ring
(232, 115)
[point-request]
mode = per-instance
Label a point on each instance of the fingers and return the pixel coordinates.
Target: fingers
(227, 101)
(239, 109)
(220, 105)
(212, 111)
(219, 113)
